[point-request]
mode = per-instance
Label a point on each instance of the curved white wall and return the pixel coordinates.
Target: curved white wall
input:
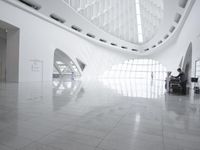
(39, 39)
(171, 56)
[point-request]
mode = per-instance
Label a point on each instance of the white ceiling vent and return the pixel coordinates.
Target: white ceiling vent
(160, 42)
(57, 18)
(31, 4)
(90, 35)
(183, 3)
(166, 36)
(177, 17)
(113, 44)
(172, 29)
(135, 50)
(124, 47)
(76, 28)
(102, 40)
(153, 46)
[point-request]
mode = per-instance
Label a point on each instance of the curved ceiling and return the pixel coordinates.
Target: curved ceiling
(136, 26)
(135, 21)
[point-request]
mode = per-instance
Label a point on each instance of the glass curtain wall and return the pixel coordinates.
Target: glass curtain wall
(136, 78)
(135, 87)
(137, 68)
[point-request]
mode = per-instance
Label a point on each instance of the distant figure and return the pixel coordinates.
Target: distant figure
(72, 77)
(151, 75)
(183, 81)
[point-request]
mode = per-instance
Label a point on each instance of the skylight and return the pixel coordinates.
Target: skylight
(135, 21)
(139, 24)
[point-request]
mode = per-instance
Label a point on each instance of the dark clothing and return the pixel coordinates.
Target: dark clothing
(184, 88)
(181, 77)
(183, 81)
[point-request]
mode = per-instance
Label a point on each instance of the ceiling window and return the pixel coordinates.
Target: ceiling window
(139, 24)
(135, 21)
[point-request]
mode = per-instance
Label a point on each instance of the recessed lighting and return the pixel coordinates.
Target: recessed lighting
(57, 18)
(76, 28)
(113, 44)
(90, 35)
(124, 47)
(177, 17)
(102, 40)
(153, 46)
(183, 3)
(135, 50)
(172, 28)
(166, 36)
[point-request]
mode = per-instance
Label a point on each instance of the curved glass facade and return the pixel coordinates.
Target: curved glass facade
(137, 68)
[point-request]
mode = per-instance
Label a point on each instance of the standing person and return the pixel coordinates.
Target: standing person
(72, 76)
(151, 75)
(183, 81)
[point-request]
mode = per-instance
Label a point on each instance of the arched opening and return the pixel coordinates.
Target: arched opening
(64, 67)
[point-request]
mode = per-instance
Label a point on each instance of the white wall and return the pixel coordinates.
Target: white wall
(39, 39)
(171, 55)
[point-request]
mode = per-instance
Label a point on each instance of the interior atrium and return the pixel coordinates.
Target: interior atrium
(99, 75)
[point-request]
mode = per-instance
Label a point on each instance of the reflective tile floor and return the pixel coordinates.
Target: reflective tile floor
(65, 115)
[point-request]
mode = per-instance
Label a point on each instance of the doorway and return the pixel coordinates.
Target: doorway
(9, 52)
(2, 54)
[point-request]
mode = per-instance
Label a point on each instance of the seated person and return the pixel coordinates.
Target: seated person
(182, 80)
(167, 81)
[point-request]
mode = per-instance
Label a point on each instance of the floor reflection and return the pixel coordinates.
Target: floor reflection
(136, 87)
(74, 114)
(182, 105)
(65, 91)
(182, 113)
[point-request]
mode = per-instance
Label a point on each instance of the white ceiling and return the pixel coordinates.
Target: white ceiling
(114, 23)
(120, 17)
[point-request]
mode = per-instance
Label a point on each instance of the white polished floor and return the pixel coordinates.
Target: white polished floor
(97, 116)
